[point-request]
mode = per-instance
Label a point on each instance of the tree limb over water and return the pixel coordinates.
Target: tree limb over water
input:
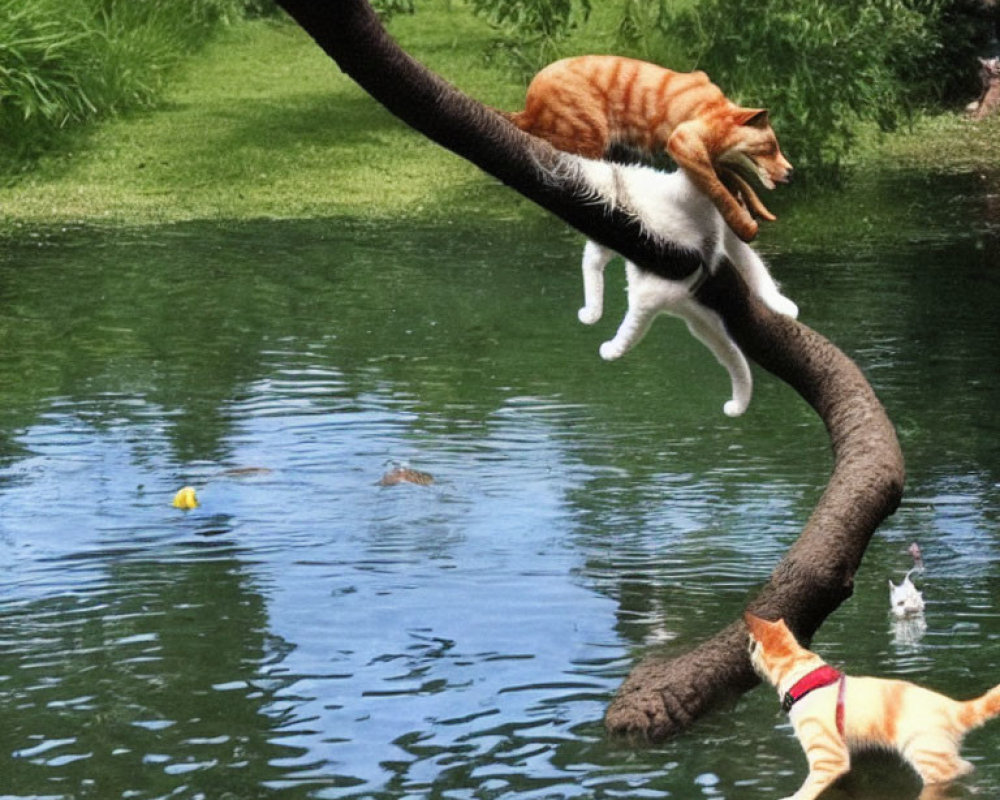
(663, 696)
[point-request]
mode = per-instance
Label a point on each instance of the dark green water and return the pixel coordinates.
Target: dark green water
(306, 632)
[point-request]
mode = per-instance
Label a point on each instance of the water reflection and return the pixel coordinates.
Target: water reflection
(307, 632)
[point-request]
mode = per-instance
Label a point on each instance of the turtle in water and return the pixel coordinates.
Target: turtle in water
(406, 475)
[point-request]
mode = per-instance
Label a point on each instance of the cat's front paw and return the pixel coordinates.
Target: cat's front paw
(588, 315)
(783, 305)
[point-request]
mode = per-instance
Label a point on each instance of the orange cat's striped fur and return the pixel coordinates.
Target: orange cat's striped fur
(584, 105)
(924, 727)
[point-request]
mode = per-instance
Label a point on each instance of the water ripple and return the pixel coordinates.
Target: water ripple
(308, 632)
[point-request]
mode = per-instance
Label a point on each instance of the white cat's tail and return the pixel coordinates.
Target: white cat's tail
(980, 710)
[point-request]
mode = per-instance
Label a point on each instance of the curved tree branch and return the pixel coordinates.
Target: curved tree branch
(351, 34)
(661, 697)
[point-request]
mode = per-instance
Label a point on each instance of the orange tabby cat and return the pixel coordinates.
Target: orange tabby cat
(586, 104)
(833, 713)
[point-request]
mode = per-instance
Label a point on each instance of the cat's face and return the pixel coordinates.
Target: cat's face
(905, 600)
(751, 145)
(773, 648)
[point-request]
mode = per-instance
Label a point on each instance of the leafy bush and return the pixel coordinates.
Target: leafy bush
(532, 27)
(820, 67)
(533, 18)
(38, 54)
(386, 9)
(965, 29)
(64, 62)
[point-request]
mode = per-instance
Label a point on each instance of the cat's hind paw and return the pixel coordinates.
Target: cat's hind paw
(610, 351)
(734, 408)
(588, 315)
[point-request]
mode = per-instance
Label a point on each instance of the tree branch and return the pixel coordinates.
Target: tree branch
(352, 35)
(661, 697)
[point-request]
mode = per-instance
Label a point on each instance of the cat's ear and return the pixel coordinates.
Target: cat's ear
(758, 627)
(753, 117)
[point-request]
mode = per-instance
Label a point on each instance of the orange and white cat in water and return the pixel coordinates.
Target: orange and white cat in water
(671, 207)
(584, 105)
(833, 714)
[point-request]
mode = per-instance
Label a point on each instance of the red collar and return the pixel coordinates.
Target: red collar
(817, 679)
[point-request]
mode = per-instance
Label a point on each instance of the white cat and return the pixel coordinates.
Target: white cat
(649, 295)
(905, 600)
(670, 207)
(906, 604)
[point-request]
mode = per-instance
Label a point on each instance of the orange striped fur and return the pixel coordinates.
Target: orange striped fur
(924, 727)
(586, 104)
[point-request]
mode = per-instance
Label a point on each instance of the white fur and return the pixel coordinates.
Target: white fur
(650, 295)
(670, 207)
(905, 600)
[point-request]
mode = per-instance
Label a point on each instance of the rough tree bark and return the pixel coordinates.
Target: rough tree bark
(661, 697)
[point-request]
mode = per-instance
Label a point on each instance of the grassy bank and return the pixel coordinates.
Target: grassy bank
(66, 64)
(263, 124)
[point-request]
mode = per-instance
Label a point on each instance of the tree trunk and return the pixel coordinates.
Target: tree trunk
(661, 697)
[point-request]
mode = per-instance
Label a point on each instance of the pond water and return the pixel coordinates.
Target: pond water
(308, 633)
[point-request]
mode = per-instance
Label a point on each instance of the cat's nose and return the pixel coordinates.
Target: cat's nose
(785, 169)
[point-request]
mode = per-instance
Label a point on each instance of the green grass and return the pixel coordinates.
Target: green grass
(262, 124)
(67, 63)
(948, 142)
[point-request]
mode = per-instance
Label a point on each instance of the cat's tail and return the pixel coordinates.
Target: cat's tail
(980, 710)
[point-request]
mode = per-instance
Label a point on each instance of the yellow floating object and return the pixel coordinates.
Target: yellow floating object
(186, 498)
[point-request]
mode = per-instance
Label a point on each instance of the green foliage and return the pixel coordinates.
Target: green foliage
(964, 30)
(387, 9)
(821, 67)
(65, 62)
(533, 27)
(550, 18)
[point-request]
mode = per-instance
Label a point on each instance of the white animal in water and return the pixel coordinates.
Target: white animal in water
(670, 207)
(905, 600)
(906, 605)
